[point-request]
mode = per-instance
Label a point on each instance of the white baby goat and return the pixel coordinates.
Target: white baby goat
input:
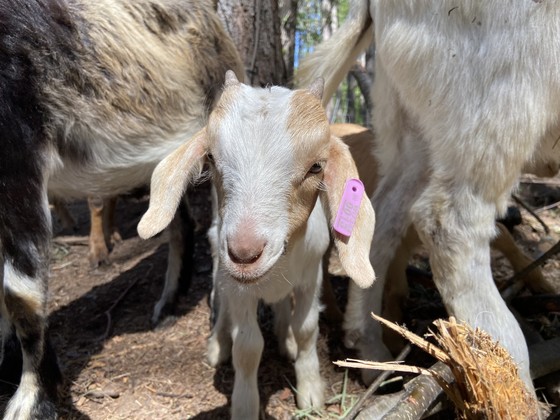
(272, 155)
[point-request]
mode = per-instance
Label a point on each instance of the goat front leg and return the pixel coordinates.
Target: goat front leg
(24, 257)
(305, 327)
(248, 345)
(458, 236)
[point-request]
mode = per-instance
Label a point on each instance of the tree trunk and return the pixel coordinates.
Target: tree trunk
(288, 16)
(254, 26)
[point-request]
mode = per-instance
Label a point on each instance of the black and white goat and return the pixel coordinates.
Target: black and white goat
(272, 156)
(93, 94)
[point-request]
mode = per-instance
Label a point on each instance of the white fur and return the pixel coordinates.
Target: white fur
(256, 180)
(300, 272)
(24, 287)
(272, 155)
(464, 100)
(23, 402)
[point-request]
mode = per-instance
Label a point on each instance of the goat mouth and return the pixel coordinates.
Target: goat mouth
(247, 279)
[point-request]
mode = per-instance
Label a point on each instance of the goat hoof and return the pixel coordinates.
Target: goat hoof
(351, 338)
(98, 256)
(311, 394)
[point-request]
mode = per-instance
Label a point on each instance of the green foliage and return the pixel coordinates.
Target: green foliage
(313, 16)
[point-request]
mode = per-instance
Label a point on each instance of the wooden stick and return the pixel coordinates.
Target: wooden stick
(532, 212)
(375, 385)
(511, 283)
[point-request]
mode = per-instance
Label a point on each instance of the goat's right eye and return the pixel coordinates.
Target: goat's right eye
(210, 157)
(316, 168)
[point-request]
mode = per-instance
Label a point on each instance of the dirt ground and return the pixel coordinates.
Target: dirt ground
(117, 366)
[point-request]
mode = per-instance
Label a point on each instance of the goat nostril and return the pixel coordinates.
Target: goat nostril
(244, 255)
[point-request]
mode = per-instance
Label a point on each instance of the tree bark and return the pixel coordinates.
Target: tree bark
(288, 18)
(254, 26)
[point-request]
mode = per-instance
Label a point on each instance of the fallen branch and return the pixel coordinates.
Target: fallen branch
(544, 356)
(415, 401)
(487, 382)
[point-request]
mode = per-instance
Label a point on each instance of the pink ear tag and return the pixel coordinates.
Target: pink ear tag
(349, 207)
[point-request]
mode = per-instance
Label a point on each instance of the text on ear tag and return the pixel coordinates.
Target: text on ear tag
(349, 207)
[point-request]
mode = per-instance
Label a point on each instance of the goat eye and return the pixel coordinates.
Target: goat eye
(210, 157)
(316, 168)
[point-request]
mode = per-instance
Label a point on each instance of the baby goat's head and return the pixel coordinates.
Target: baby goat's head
(271, 154)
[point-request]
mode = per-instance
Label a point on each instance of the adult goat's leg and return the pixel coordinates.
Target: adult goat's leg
(25, 234)
(179, 261)
(403, 175)
(457, 235)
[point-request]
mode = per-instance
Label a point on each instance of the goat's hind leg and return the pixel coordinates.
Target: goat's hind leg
(179, 262)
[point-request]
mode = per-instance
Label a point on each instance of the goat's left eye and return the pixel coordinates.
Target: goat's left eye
(316, 168)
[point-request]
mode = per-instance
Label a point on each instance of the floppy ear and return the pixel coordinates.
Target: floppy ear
(353, 250)
(169, 182)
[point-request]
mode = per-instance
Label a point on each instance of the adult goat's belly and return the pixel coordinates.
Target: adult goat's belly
(99, 165)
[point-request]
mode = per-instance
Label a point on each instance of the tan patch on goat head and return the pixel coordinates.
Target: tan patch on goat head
(310, 136)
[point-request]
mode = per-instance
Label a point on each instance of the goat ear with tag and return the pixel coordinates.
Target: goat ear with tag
(353, 249)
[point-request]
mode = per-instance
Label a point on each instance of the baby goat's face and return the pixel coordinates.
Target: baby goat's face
(268, 149)
(271, 154)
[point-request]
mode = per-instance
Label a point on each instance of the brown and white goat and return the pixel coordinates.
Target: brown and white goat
(93, 94)
(272, 156)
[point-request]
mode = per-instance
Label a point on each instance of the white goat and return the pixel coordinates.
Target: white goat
(466, 94)
(93, 94)
(272, 155)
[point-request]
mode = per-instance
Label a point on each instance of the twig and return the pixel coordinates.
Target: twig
(514, 284)
(375, 385)
(532, 180)
(550, 206)
(108, 312)
(72, 240)
(532, 212)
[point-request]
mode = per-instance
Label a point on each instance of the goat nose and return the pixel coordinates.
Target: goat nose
(246, 252)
